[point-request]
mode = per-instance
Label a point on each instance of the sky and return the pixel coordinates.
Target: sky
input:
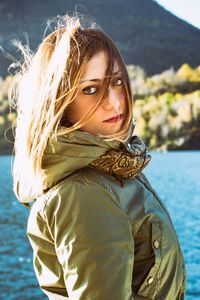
(188, 10)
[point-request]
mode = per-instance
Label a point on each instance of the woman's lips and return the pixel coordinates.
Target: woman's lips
(114, 119)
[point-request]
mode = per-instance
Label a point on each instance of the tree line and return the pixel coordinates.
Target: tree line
(166, 109)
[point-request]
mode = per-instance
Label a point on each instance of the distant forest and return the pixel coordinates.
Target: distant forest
(166, 109)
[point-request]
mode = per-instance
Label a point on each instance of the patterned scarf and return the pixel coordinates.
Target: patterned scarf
(126, 162)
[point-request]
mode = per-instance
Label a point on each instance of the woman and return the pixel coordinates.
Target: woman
(97, 228)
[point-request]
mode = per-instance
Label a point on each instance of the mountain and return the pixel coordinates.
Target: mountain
(146, 33)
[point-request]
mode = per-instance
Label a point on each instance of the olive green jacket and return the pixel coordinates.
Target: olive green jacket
(98, 237)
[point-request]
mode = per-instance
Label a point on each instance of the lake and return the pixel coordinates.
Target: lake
(175, 175)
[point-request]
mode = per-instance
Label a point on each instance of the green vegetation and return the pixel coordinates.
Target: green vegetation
(7, 117)
(167, 109)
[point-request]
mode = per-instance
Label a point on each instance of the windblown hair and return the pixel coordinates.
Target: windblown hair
(48, 83)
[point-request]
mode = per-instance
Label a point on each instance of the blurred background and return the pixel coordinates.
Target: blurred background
(160, 42)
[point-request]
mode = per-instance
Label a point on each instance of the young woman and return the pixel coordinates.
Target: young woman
(97, 228)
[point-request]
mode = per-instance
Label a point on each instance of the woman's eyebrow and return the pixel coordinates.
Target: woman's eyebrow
(98, 79)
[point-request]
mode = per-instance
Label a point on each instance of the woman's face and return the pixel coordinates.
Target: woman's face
(109, 116)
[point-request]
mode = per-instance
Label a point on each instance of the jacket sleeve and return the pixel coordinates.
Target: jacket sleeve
(93, 241)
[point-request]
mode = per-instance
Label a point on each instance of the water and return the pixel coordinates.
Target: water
(174, 175)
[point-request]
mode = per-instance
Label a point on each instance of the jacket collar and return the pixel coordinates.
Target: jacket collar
(66, 154)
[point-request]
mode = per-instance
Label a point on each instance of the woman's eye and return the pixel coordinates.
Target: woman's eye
(90, 90)
(117, 82)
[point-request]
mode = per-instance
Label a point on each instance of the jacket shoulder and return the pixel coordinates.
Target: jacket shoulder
(81, 182)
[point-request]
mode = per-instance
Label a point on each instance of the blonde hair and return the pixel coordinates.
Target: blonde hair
(47, 84)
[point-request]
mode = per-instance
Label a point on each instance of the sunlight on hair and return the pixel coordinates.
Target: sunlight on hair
(47, 83)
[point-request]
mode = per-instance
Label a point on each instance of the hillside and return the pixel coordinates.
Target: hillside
(147, 34)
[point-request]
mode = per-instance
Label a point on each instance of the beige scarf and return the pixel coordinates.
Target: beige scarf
(126, 162)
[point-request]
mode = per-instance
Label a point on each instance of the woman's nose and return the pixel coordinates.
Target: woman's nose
(111, 100)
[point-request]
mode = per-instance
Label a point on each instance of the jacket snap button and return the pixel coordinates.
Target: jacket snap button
(156, 244)
(150, 280)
